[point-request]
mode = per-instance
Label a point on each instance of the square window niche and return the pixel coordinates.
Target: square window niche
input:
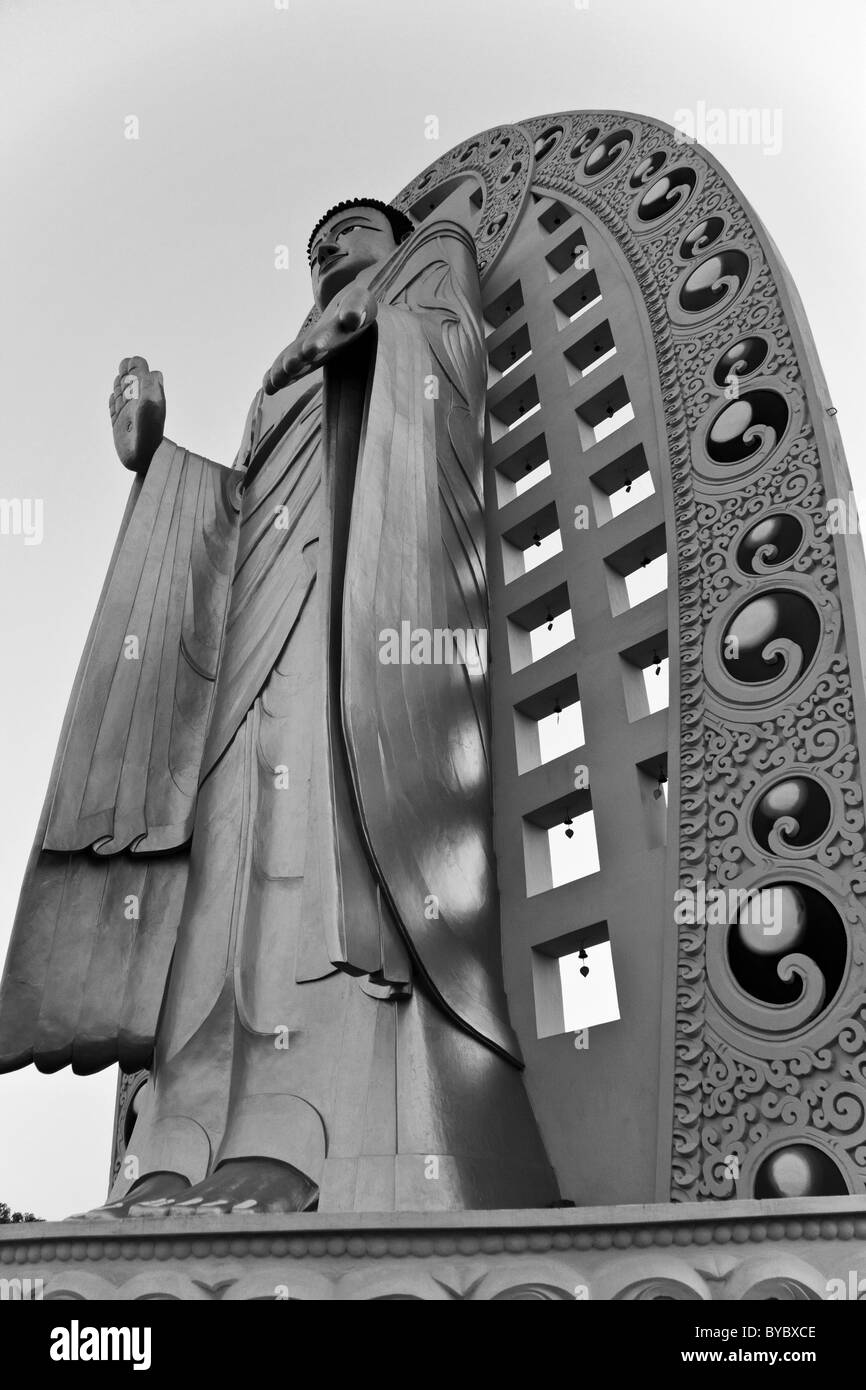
(645, 668)
(530, 542)
(589, 352)
(568, 252)
(559, 842)
(604, 413)
(573, 982)
(548, 724)
(540, 627)
(508, 354)
(521, 469)
(652, 775)
(576, 299)
(497, 311)
(513, 408)
(637, 570)
(620, 485)
(554, 215)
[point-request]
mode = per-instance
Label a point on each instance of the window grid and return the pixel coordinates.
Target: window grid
(569, 330)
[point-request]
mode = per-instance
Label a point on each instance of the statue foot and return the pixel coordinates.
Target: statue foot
(243, 1186)
(153, 1187)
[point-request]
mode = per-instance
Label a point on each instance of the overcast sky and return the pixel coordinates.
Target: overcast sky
(253, 118)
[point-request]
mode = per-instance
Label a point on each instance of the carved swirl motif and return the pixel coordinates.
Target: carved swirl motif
(769, 544)
(749, 426)
(771, 638)
(780, 962)
(740, 360)
(609, 150)
(711, 285)
(645, 170)
(702, 235)
(668, 195)
(791, 814)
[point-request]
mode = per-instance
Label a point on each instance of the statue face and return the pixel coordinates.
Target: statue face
(345, 245)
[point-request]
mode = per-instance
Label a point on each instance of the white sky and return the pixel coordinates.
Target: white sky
(253, 120)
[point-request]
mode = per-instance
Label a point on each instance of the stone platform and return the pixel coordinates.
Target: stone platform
(812, 1248)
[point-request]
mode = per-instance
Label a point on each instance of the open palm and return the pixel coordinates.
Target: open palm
(137, 409)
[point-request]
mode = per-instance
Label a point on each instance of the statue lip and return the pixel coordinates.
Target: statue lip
(337, 256)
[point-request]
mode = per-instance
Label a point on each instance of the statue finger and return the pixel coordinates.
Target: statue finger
(274, 382)
(274, 379)
(290, 363)
(352, 317)
(314, 348)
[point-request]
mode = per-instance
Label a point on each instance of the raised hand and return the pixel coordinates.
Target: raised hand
(137, 409)
(350, 315)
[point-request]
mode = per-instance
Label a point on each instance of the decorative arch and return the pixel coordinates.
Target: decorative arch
(735, 426)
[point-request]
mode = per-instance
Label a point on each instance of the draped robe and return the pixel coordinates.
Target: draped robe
(203, 591)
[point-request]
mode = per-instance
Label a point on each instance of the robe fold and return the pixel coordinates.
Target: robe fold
(203, 591)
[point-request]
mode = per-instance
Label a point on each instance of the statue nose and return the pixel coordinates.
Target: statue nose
(326, 251)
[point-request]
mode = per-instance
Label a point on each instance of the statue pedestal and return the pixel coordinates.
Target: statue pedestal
(812, 1248)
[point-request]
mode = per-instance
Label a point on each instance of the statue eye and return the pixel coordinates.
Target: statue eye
(343, 230)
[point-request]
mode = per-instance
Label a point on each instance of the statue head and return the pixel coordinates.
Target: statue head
(358, 233)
